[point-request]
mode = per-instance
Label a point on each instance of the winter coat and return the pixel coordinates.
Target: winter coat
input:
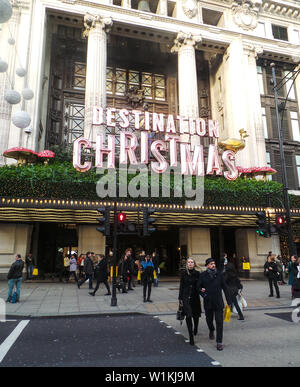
(88, 267)
(189, 294)
(16, 269)
(73, 264)
(147, 271)
(271, 274)
(101, 273)
(231, 279)
(123, 269)
(213, 283)
(291, 272)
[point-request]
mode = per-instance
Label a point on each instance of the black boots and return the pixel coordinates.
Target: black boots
(190, 329)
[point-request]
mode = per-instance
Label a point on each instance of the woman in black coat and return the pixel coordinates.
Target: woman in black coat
(271, 272)
(189, 297)
(233, 284)
(101, 275)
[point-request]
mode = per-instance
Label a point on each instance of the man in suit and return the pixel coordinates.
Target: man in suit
(210, 285)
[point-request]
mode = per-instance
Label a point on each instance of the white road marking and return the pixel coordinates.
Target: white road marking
(215, 363)
(10, 340)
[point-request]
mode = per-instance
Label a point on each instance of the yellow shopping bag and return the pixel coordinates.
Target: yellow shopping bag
(35, 271)
(154, 275)
(246, 265)
(227, 314)
(139, 276)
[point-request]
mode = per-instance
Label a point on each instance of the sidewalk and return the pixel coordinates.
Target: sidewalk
(40, 299)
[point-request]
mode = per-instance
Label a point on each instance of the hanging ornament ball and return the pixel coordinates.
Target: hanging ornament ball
(3, 66)
(5, 11)
(12, 97)
(27, 94)
(11, 41)
(21, 72)
(21, 119)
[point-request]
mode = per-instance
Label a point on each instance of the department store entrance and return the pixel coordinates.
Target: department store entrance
(164, 242)
(52, 238)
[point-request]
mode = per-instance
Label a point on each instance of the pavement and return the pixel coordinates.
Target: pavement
(46, 299)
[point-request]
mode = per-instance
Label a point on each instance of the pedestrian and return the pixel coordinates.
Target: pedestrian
(246, 266)
(101, 275)
(189, 297)
(147, 277)
(88, 271)
(66, 266)
(291, 272)
(73, 268)
(123, 271)
(14, 277)
(234, 286)
(271, 272)
(210, 285)
(155, 260)
(131, 268)
(29, 266)
(296, 280)
(80, 262)
(280, 270)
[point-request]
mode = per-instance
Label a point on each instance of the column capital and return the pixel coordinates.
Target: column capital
(93, 21)
(252, 50)
(185, 39)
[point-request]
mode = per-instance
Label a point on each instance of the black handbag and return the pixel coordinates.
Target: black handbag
(180, 315)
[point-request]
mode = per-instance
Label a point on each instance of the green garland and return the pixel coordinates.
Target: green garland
(59, 180)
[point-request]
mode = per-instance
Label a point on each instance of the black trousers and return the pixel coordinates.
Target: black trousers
(98, 284)
(218, 314)
(145, 286)
(271, 282)
(74, 275)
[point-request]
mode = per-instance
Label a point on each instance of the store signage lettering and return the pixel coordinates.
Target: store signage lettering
(147, 125)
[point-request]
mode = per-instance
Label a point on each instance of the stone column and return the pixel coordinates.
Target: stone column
(184, 45)
(96, 29)
(255, 143)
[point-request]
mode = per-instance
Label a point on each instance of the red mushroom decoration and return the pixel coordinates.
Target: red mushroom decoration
(46, 155)
(256, 171)
(22, 155)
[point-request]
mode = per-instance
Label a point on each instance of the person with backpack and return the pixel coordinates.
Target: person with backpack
(101, 275)
(14, 277)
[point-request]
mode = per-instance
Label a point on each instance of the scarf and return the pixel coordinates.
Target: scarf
(212, 273)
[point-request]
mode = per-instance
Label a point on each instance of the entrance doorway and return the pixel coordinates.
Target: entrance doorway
(55, 241)
(164, 242)
(223, 241)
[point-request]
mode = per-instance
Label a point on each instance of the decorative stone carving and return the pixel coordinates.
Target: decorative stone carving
(91, 21)
(184, 38)
(190, 8)
(245, 13)
(135, 96)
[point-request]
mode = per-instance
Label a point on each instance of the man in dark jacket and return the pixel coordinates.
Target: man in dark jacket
(88, 269)
(124, 270)
(14, 277)
(210, 285)
(101, 275)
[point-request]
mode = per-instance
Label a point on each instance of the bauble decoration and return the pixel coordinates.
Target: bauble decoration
(27, 94)
(5, 11)
(21, 72)
(3, 66)
(12, 97)
(21, 119)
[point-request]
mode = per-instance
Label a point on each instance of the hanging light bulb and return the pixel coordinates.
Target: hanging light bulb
(21, 72)
(3, 66)
(27, 93)
(5, 11)
(21, 119)
(12, 97)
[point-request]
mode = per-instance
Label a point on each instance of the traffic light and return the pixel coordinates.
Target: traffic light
(281, 225)
(148, 221)
(262, 223)
(104, 221)
(124, 226)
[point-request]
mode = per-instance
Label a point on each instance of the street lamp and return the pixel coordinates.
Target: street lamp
(292, 249)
